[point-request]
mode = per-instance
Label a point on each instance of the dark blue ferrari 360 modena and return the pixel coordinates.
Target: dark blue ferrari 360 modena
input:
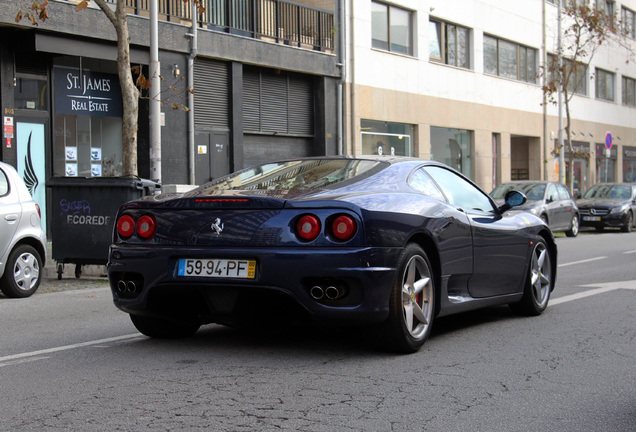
(387, 242)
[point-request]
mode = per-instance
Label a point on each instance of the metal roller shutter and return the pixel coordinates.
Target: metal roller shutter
(277, 102)
(211, 98)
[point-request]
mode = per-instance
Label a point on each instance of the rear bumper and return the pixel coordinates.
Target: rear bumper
(361, 273)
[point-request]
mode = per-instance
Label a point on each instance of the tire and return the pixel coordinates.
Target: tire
(574, 227)
(22, 273)
(411, 304)
(628, 224)
(163, 329)
(539, 282)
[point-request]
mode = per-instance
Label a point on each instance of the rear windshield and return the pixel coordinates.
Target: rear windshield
(297, 175)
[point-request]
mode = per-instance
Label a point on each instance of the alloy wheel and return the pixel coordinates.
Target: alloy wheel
(540, 274)
(417, 295)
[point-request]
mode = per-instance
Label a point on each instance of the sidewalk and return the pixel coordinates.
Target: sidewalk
(93, 276)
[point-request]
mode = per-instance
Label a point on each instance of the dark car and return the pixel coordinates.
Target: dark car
(609, 205)
(383, 241)
(551, 201)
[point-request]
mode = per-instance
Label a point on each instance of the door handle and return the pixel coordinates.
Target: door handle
(11, 217)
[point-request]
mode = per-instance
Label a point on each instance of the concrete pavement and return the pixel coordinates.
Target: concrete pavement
(93, 276)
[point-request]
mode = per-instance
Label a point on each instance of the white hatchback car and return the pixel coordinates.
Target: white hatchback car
(22, 239)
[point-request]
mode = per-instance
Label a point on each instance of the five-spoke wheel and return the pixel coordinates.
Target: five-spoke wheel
(412, 302)
(539, 282)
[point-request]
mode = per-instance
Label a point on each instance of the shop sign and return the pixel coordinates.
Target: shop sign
(89, 93)
(629, 152)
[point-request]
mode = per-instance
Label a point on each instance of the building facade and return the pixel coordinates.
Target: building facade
(460, 82)
(263, 75)
(454, 81)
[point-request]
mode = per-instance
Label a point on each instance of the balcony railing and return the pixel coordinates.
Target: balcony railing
(273, 20)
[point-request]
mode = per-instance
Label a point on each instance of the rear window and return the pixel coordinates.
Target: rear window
(4, 184)
(297, 175)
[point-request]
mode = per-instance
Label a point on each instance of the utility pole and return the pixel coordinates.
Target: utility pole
(155, 95)
(560, 96)
(544, 57)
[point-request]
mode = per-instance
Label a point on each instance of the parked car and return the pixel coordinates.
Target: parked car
(551, 201)
(609, 205)
(22, 240)
(384, 241)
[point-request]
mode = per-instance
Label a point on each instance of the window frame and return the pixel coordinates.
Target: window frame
(607, 6)
(630, 31)
(442, 32)
(628, 100)
(523, 54)
(572, 88)
(410, 39)
(597, 81)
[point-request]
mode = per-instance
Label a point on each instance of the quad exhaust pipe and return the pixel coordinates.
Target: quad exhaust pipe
(331, 292)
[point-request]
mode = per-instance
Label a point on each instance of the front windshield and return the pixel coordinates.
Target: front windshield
(609, 191)
(297, 175)
(533, 191)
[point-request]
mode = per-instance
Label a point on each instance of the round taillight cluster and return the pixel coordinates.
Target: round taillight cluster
(340, 228)
(344, 227)
(308, 227)
(145, 227)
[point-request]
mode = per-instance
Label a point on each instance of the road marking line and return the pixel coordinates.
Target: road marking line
(630, 252)
(68, 347)
(15, 362)
(582, 261)
(611, 286)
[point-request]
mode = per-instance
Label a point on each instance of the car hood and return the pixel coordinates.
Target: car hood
(600, 202)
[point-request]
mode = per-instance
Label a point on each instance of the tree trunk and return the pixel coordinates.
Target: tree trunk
(129, 92)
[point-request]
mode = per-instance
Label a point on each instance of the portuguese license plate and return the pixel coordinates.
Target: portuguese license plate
(217, 268)
(592, 218)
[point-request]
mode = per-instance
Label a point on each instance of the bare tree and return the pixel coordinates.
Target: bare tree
(588, 28)
(130, 89)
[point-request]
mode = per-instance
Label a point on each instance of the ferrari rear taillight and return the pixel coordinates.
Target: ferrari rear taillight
(343, 227)
(146, 227)
(125, 226)
(308, 227)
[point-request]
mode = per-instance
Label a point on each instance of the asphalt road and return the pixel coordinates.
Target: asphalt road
(70, 361)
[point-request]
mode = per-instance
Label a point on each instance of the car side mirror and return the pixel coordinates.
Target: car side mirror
(551, 199)
(513, 199)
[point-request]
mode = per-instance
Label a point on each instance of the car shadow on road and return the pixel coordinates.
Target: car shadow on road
(316, 340)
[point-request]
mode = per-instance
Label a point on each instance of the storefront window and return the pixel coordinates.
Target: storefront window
(605, 164)
(31, 92)
(87, 123)
(385, 138)
(452, 147)
(629, 164)
(87, 146)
